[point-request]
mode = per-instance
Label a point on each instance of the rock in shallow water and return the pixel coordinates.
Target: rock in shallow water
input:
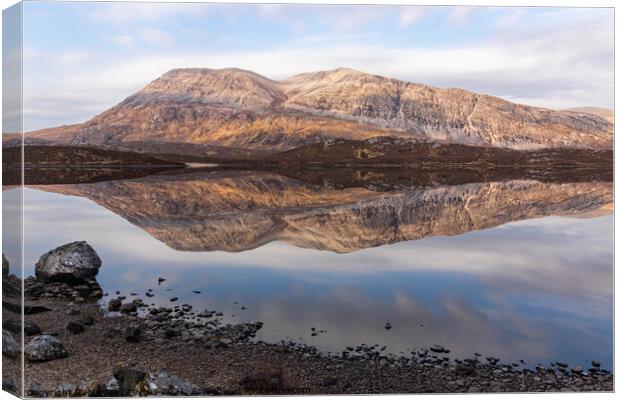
(114, 305)
(9, 344)
(128, 308)
(45, 348)
(71, 262)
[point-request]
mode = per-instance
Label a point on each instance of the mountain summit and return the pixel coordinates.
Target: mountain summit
(239, 109)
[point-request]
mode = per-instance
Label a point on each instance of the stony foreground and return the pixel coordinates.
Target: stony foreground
(74, 347)
(228, 362)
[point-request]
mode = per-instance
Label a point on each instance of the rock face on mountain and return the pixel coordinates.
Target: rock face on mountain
(237, 211)
(605, 113)
(240, 109)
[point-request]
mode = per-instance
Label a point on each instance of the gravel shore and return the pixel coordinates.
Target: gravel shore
(212, 358)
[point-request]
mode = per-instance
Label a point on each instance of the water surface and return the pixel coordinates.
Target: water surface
(517, 270)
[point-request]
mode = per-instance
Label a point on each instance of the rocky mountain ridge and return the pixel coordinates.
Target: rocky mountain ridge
(240, 109)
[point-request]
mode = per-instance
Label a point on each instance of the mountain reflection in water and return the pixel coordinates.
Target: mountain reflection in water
(491, 275)
(243, 210)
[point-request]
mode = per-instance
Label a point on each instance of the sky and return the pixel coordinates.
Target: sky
(82, 58)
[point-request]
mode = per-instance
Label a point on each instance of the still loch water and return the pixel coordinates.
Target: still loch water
(530, 278)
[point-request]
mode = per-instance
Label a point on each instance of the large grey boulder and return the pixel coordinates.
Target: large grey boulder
(45, 348)
(71, 263)
(9, 344)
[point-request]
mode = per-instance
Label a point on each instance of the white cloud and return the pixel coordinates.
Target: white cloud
(124, 40)
(123, 13)
(411, 15)
(337, 18)
(154, 36)
(72, 57)
(461, 15)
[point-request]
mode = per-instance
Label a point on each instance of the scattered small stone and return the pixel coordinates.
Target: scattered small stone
(169, 332)
(127, 308)
(329, 381)
(30, 310)
(438, 349)
(163, 383)
(8, 385)
(75, 328)
(262, 382)
(388, 325)
(128, 379)
(9, 344)
(132, 334)
(174, 299)
(114, 305)
(87, 320)
(15, 326)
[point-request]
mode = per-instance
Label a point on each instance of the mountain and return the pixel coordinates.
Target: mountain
(605, 113)
(245, 112)
(241, 210)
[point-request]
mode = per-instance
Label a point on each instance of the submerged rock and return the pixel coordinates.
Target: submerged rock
(9, 344)
(45, 348)
(71, 262)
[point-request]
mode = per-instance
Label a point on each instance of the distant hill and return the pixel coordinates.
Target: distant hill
(250, 114)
